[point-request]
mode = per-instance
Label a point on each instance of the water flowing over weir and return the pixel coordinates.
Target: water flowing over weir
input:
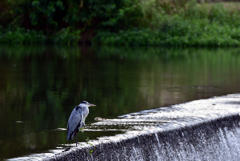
(205, 129)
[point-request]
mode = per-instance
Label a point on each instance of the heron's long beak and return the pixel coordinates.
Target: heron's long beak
(91, 104)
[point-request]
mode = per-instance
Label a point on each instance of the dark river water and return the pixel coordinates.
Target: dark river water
(40, 85)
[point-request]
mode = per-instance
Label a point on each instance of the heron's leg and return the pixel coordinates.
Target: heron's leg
(76, 138)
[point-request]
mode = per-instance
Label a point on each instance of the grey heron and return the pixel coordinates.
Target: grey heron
(77, 119)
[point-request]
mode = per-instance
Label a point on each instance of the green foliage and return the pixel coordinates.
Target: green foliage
(114, 13)
(175, 32)
(66, 36)
(219, 14)
(128, 37)
(193, 26)
(82, 129)
(120, 22)
(22, 36)
(195, 11)
(44, 12)
(90, 151)
(52, 16)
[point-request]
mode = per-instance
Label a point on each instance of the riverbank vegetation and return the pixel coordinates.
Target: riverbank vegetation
(121, 22)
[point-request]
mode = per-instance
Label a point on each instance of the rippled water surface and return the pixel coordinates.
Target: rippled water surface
(40, 85)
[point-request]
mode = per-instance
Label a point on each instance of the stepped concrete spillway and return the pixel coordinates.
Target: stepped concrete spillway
(206, 129)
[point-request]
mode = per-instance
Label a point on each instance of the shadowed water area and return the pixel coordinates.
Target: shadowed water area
(40, 85)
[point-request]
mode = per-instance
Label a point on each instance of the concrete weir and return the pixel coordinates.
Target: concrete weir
(206, 129)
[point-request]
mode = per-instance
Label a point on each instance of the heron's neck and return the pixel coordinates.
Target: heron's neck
(85, 111)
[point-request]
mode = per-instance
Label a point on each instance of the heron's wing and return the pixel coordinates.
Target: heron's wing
(74, 122)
